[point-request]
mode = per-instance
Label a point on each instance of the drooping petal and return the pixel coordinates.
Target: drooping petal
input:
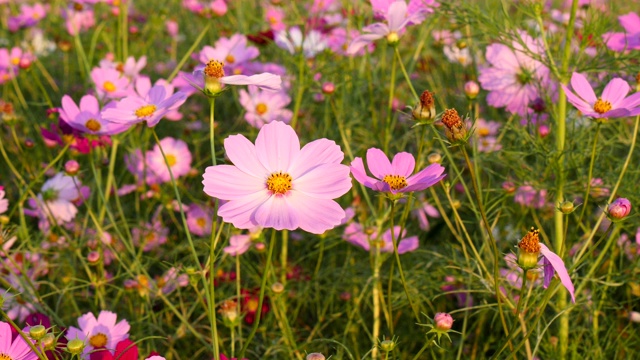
(396, 15)
(378, 163)
(403, 164)
(242, 154)
(325, 181)
(578, 102)
(315, 215)
(558, 265)
(277, 145)
(582, 88)
(358, 172)
(228, 182)
(362, 41)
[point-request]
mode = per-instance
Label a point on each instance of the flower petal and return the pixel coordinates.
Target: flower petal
(242, 154)
(378, 163)
(227, 182)
(276, 213)
(403, 164)
(582, 88)
(396, 15)
(615, 91)
(558, 265)
(325, 181)
(425, 178)
(315, 215)
(240, 212)
(321, 151)
(277, 145)
(263, 80)
(358, 172)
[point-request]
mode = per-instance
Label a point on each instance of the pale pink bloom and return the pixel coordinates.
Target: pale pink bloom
(611, 104)
(218, 7)
(458, 56)
(172, 28)
(87, 118)
(199, 220)
(238, 244)
(263, 107)
(338, 41)
(109, 83)
(151, 108)
(627, 40)
(143, 86)
(136, 163)
(151, 235)
(18, 349)
(513, 78)
(423, 213)
(78, 21)
(274, 16)
(16, 298)
(177, 155)
(485, 133)
(4, 202)
(355, 234)
(294, 41)
(57, 197)
(233, 52)
(528, 196)
(397, 18)
(396, 176)
(101, 332)
(276, 184)
(171, 280)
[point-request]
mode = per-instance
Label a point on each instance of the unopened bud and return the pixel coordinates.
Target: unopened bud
(434, 158)
(471, 89)
(29, 143)
(277, 288)
(328, 88)
(567, 207)
(71, 167)
(75, 346)
(454, 127)
(443, 321)
(387, 345)
(426, 110)
(619, 209)
(37, 332)
(49, 341)
(93, 257)
(508, 187)
(260, 247)
(315, 356)
(543, 131)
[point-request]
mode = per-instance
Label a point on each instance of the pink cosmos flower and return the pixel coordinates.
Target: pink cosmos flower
(395, 177)
(233, 52)
(17, 349)
(293, 40)
(177, 154)
(355, 234)
(613, 102)
(238, 244)
(276, 184)
(264, 107)
(57, 197)
(143, 86)
(554, 264)
(102, 332)
(619, 208)
(528, 196)
(485, 134)
(87, 117)
(151, 235)
(274, 16)
(212, 78)
(109, 83)
(397, 18)
(627, 40)
(150, 108)
(423, 213)
(381, 7)
(4, 203)
(78, 21)
(513, 78)
(199, 220)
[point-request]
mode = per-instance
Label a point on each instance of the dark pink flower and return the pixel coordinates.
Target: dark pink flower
(613, 102)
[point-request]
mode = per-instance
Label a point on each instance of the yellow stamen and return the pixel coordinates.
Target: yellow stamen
(530, 243)
(171, 159)
(15, 61)
(98, 340)
(483, 132)
(279, 183)
(601, 106)
(230, 59)
(214, 69)
(5, 357)
(201, 222)
(108, 86)
(396, 182)
(145, 111)
(93, 125)
(261, 108)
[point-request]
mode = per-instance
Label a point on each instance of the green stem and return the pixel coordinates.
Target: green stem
(212, 108)
(392, 88)
(296, 107)
(593, 160)
(406, 75)
(376, 300)
(24, 336)
(263, 285)
(395, 251)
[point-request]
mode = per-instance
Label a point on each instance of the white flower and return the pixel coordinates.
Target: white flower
(57, 196)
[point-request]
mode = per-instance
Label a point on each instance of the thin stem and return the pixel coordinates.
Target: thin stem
(376, 300)
(212, 107)
(406, 75)
(387, 125)
(394, 240)
(24, 336)
(593, 160)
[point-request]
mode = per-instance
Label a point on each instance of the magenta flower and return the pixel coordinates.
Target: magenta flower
(87, 117)
(263, 107)
(276, 184)
(102, 332)
(151, 108)
(355, 234)
(17, 349)
(199, 220)
(619, 208)
(397, 18)
(627, 40)
(395, 177)
(612, 104)
(513, 78)
(554, 264)
(109, 83)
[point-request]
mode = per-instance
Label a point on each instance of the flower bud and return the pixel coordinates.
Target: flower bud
(71, 167)
(75, 346)
(328, 88)
(567, 207)
(387, 345)
(315, 356)
(393, 38)
(619, 209)
(229, 312)
(260, 247)
(425, 111)
(29, 143)
(277, 288)
(543, 131)
(37, 332)
(93, 257)
(454, 127)
(508, 187)
(434, 158)
(471, 89)
(443, 321)
(529, 250)
(49, 341)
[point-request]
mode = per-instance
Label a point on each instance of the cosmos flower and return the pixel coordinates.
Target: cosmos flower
(263, 107)
(17, 349)
(355, 234)
(627, 40)
(102, 332)
(395, 177)
(294, 41)
(57, 196)
(87, 118)
(233, 52)
(211, 79)
(151, 108)
(109, 83)
(612, 103)
(199, 220)
(178, 157)
(4, 203)
(276, 184)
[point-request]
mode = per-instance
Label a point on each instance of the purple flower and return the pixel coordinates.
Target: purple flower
(233, 52)
(110, 83)
(151, 108)
(395, 176)
(199, 220)
(627, 40)
(613, 102)
(528, 196)
(177, 155)
(619, 208)
(87, 118)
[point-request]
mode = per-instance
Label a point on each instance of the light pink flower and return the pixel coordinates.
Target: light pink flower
(627, 40)
(294, 40)
(613, 102)
(151, 108)
(199, 220)
(355, 234)
(238, 244)
(4, 203)
(57, 197)
(102, 332)
(17, 349)
(395, 176)
(233, 52)
(87, 118)
(274, 16)
(109, 83)
(263, 107)
(276, 184)
(177, 154)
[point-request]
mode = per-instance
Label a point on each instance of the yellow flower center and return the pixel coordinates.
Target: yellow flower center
(230, 59)
(201, 222)
(214, 69)
(483, 132)
(601, 106)
(93, 125)
(145, 111)
(150, 237)
(98, 340)
(395, 182)
(273, 20)
(108, 86)
(4, 356)
(15, 61)
(393, 38)
(279, 183)
(530, 243)
(261, 108)
(252, 305)
(171, 159)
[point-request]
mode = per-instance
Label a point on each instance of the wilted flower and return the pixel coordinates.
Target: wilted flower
(454, 127)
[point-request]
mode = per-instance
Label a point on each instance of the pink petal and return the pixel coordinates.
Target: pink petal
(425, 178)
(263, 80)
(403, 164)
(631, 101)
(630, 22)
(378, 163)
(5, 338)
(580, 104)
(240, 212)
(276, 213)
(358, 172)
(242, 154)
(315, 215)
(582, 88)
(227, 182)
(396, 15)
(615, 91)
(558, 265)
(107, 318)
(321, 151)
(377, 29)
(69, 109)
(362, 41)
(89, 103)
(325, 181)
(408, 244)
(277, 145)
